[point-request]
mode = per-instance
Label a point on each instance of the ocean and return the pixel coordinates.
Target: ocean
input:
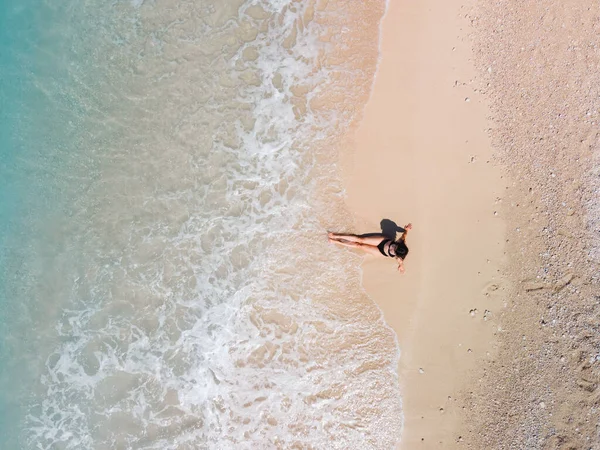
(168, 172)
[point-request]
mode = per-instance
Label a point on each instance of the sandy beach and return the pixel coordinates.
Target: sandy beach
(423, 156)
(481, 130)
(539, 66)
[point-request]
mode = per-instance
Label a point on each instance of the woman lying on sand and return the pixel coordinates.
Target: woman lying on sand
(376, 244)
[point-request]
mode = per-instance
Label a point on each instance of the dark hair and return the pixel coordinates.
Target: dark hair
(401, 249)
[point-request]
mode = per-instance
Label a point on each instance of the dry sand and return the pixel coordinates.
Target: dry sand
(423, 156)
(498, 314)
(541, 73)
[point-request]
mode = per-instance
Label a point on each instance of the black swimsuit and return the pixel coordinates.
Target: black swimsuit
(381, 248)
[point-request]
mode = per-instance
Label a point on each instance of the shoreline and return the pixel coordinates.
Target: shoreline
(418, 117)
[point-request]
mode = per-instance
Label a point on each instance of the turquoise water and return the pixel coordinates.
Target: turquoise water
(24, 189)
(167, 175)
(39, 119)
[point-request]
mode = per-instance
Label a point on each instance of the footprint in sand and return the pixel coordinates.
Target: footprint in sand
(588, 377)
(533, 285)
(564, 281)
(490, 288)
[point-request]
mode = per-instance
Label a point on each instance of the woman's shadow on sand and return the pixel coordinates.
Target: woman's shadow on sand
(389, 228)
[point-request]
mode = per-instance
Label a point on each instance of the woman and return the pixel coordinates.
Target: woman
(376, 244)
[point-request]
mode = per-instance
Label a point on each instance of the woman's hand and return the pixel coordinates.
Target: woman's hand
(400, 266)
(408, 227)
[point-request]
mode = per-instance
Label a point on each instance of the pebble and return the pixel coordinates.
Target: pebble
(421, 370)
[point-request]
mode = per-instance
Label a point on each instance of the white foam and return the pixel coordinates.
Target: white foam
(215, 315)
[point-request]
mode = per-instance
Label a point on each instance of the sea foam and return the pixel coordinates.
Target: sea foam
(197, 303)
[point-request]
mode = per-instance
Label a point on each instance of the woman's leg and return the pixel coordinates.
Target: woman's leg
(373, 240)
(364, 247)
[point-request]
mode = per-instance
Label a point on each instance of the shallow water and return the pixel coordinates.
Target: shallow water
(168, 174)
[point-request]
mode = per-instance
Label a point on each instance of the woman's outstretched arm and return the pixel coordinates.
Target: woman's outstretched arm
(406, 229)
(400, 265)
